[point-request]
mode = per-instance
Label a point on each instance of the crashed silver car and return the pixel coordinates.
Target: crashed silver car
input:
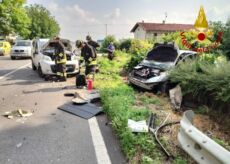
(152, 72)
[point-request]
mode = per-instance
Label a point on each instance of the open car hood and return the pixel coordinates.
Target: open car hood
(162, 54)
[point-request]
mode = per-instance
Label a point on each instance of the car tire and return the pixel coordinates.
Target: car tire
(13, 57)
(33, 66)
(164, 87)
(40, 73)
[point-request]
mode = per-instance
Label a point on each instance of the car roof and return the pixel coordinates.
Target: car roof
(187, 51)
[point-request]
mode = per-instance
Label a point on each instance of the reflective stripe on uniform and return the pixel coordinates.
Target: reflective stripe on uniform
(61, 61)
(63, 74)
(62, 58)
(93, 63)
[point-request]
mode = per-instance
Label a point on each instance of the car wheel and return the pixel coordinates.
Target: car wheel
(40, 73)
(33, 66)
(13, 57)
(164, 87)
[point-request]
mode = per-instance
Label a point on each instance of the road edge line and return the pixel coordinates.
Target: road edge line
(98, 142)
(17, 69)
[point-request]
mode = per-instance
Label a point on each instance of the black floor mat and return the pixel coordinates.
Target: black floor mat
(85, 111)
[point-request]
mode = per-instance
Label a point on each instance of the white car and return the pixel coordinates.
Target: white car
(43, 58)
(22, 48)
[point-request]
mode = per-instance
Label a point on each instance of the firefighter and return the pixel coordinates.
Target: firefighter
(92, 43)
(60, 59)
(89, 56)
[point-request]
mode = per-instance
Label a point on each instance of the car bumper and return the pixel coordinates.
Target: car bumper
(48, 67)
(20, 55)
(141, 83)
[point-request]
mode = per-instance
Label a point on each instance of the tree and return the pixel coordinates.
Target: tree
(43, 25)
(109, 39)
(226, 39)
(13, 18)
(125, 44)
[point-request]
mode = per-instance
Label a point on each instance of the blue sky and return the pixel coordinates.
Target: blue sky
(77, 18)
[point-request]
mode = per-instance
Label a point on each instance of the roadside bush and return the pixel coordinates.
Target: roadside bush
(211, 58)
(125, 45)
(138, 50)
(203, 79)
(139, 46)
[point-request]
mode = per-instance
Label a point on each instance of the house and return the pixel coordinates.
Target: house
(146, 31)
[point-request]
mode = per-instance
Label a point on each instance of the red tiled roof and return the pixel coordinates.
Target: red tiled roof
(162, 26)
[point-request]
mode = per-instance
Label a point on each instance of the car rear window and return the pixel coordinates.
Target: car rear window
(162, 54)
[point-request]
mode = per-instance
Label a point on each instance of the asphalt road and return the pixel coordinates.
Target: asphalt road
(49, 135)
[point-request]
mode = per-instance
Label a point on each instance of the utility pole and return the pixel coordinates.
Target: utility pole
(166, 15)
(106, 26)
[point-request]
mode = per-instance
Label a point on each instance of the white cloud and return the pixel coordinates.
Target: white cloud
(219, 14)
(73, 20)
(114, 15)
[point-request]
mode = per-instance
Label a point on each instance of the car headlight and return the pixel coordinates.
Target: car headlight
(46, 58)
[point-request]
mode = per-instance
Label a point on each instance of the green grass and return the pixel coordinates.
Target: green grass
(150, 100)
(222, 143)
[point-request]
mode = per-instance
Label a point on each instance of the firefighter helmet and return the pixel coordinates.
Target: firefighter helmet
(88, 38)
(79, 43)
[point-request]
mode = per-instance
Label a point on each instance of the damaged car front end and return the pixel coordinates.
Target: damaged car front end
(152, 72)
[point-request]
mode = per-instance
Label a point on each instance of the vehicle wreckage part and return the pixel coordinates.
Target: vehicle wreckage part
(158, 141)
(156, 131)
(200, 147)
(138, 126)
(85, 111)
(175, 95)
(69, 94)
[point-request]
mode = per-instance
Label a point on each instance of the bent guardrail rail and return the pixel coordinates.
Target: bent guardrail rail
(200, 147)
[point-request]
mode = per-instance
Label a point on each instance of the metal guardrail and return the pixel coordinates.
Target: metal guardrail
(200, 147)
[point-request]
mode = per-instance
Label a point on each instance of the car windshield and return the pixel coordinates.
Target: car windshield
(42, 43)
(23, 43)
(159, 65)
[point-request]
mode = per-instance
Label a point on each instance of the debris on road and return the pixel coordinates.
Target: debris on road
(69, 94)
(79, 101)
(85, 111)
(82, 103)
(176, 97)
(19, 145)
(90, 96)
(137, 126)
(17, 113)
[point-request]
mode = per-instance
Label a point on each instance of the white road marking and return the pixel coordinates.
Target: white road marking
(4, 76)
(98, 142)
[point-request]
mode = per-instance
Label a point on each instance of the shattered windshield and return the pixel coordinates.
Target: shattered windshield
(162, 54)
(159, 65)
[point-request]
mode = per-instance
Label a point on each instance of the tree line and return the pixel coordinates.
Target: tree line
(26, 21)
